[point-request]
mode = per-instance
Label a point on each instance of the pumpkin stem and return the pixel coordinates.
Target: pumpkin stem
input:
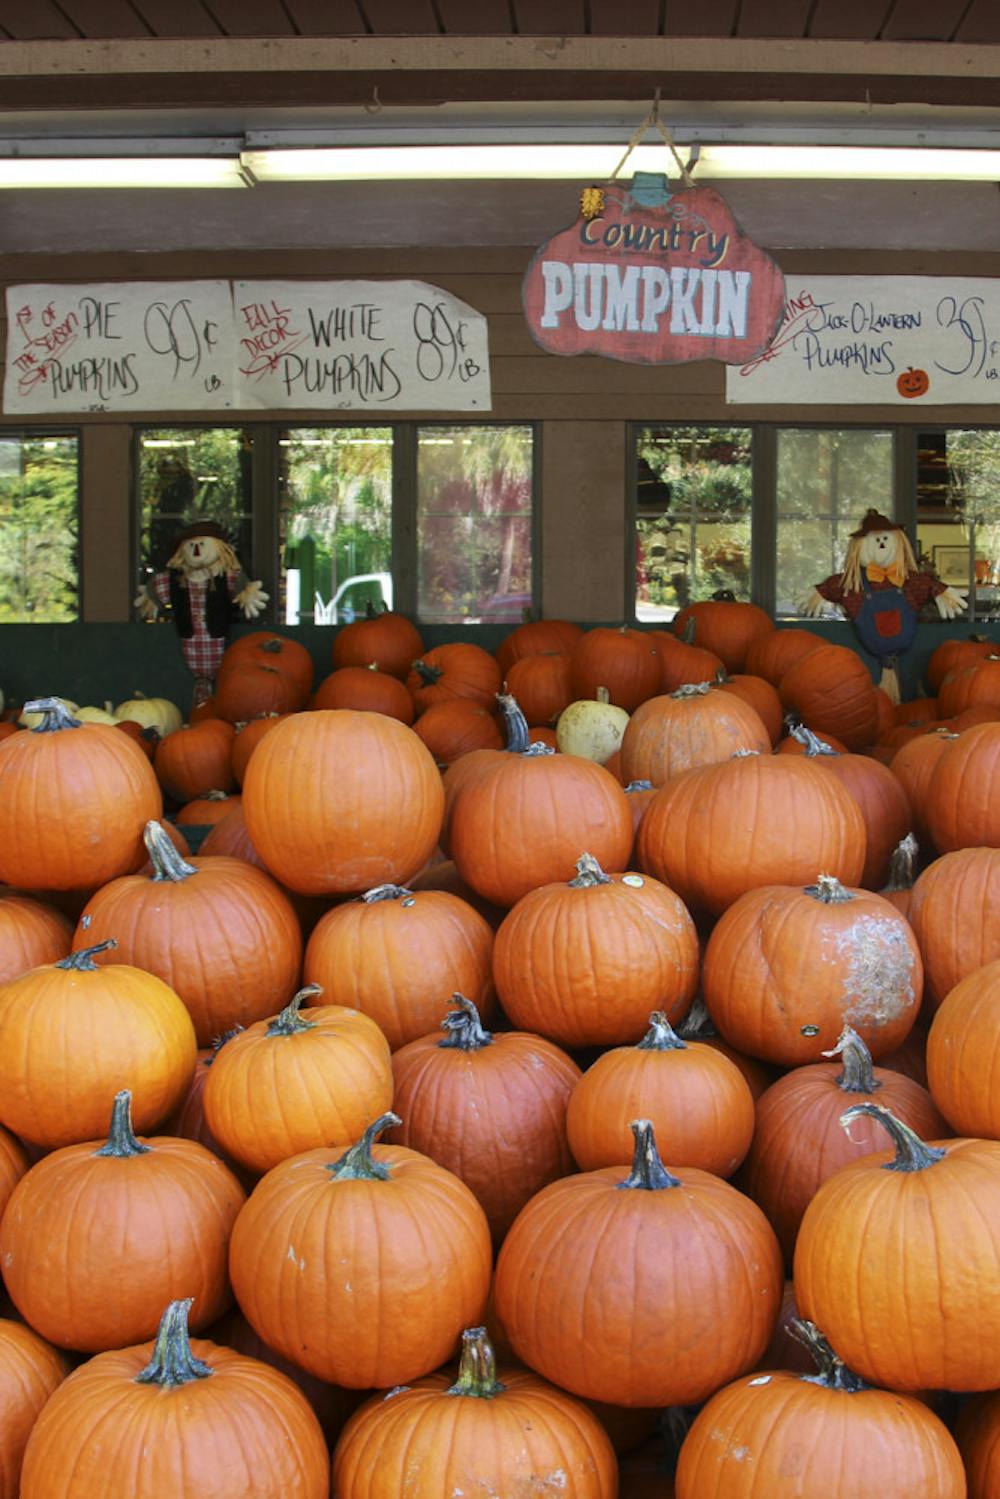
(693, 689)
(639, 786)
(661, 1035)
(648, 1172)
(477, 1369)
(83, 961)
(290, 1022)
(356, 1164)
(515, 725)
(723, 596)
(744, 754)
(721, 677)
(428, 674)
(814, 745)
(218, 1042)
(833, 1372)
(216, 796)
(372, 666)
(167, 862)
(902, 865)
(829, 890)
(55, 715)
(588, 874)
(385, 892)
(537, 751)
(912, 1153)
(464, 1026)
(173, 1363)
(687, 634)
(697, 1023)
(274, 646)
(121, 1141)
(858, 1075)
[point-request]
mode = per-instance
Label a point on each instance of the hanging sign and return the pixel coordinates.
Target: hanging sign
(653, 276)
(119, 346)
(879, 340)
(359, 345)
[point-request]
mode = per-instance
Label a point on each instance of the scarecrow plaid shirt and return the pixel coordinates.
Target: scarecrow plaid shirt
(202, 652)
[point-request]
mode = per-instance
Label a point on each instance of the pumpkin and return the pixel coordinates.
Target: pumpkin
(640, 794)
(217, 930)
(914, 711)
(72, 1034)
(7, 728)
(542, 685)
(75, 800)
(967, 687)
(206, 811)
(537, 637)
(375, 821)
(798, 1142)
(442, 875)
(453, 729)
(146, 739)
(911, 1058)
(193, 761)
(717, 831)
(307, 1078)
(963, 793)
(188, 1119)
(29, 1373)
(246, 740)
(962, 1054)
(31, 933)
(955, 916)
(787, 1435)
(584, 961)
(760, 696)
(625, 661)
(592, 728)
(230, 838)
(970, 717)
(881, 799)
(886, 712)
(202, 711)
(126, 1226)
(365, 689)
(773, 652)
(694, 1097)
(682, 663)
(786, 1350)
(246, 689)
(388, 639)
(476, 1434)
(146, 1421)
(397, 954)
(591, 1262)
(896, 1267)
(898, 887)
(726, 626)
(832, 691)
(490, 1108)
(956, 653)
(93, 714)
(913, 766)
(692, 726)
(459, 670)
(157, 713)
(977, 1429)
(393, 1248)
(13, 1164)
(800, 740)
(787, 967)
(280, 652)
(697, 1026)
(523, 820)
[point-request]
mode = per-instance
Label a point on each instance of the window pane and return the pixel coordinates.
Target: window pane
(693, 506)
(193, 473)
(826, 481)
(958, 512)
(39, 489)
(474, 503)
(334, 522)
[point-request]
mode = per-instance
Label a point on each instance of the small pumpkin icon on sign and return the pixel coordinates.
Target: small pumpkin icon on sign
(913, 383)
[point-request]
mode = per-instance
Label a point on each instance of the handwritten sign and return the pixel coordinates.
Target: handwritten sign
(652, 276)
(359, 345)
(119, 346)
(879, 340)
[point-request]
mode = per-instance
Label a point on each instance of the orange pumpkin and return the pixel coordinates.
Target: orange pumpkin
(490, 1108)
(536, 637)
(726, 626)
(761, 697)
(542, 685)
(773, 652)
(624, 661)
(127, 1225)
(800, 740)
(833, 692)
(583, 962)
(367, 690)
(692, 726)
(246, 741)
(962, 1054)
(247, 689)
(955, 653)
(977, 1432)
(388, 639)
(454, 671)
(13, 1165)
(963, 793)
(190, 762)
(206, 811)
(682, 664)
(697, 1026)
(955, 916)
(265, 648)
(453, 729)
(913, 766)
(693, 1095)
(882, 802)
(30, 1371)
(786, 968)
(976, 686)
(31, 933)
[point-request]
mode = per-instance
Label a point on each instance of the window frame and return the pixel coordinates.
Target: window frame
(9, 433)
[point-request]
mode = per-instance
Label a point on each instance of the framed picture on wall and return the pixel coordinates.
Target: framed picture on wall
(952, 564)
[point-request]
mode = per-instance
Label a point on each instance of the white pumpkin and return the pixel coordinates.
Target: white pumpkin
(591, 728)
(90, 714)
(152, 712)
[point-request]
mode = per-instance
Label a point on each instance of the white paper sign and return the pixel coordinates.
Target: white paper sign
(359, 346)
(119, 346)
(879, 340)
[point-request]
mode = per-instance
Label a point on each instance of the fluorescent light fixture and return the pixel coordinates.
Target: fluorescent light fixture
(596, 163)
(120, 171)
(169, 442)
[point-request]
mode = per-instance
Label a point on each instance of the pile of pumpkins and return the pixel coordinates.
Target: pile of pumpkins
(572, 1071)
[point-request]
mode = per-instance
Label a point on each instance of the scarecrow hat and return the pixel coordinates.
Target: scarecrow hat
(199, 528)
(874, 520)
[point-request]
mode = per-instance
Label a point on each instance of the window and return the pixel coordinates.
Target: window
(193, 473)
(39, 500)
(474, 523)
(334, 522)
(693, 510)
(958, 513)
(826, 480)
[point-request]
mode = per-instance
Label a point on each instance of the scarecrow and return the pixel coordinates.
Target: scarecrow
(202, 584)
(881, 590)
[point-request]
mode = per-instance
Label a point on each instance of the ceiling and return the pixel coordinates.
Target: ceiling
(962, 21)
